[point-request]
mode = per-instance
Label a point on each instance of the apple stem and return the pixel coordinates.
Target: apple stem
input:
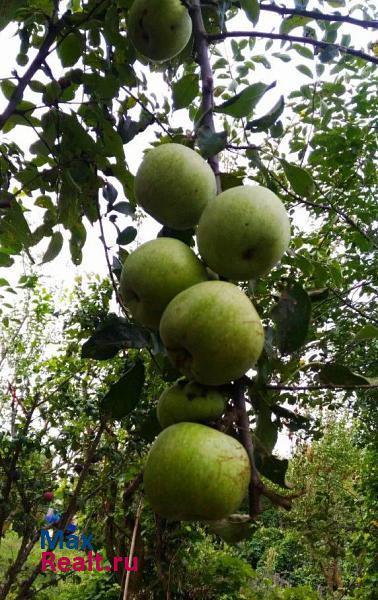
(203, 59)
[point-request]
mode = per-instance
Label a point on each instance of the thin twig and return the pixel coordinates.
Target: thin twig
(106, 250)
(319, 16)
(243, 147)
(325, 386)
(352, 307)
(148, 111)
(327, 207)
(201, 48)
(132, 547)
(218, 37)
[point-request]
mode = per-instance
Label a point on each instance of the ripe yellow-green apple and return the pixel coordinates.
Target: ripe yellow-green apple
(189, 401)
(232, 529)
(212, 332)
(244, 232)
(174, 184)
(194, 472)
(159, 29)
(154, 274)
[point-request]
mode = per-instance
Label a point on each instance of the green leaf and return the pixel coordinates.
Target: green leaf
(16, 225)
(52, 92)
(368, 332)
(77, 241)
(54, 247)
(336, 273)
(327, 55)
(230, 180)
(184, 91)
(292, 22)
(75, 5)
(305, 71)
(211, 143)
(114, 334)
(266, 430)
(149, 427)
(263, 123)
(127, 236)
(124, 207)
(75, 136)
(8, 9)
(292, 317)
(16, 119)
(8, 87)
(336, 3)
(318, 295)
(124, 395)
(233, 529)
(338, 375)
(104, 88)
(299, 178)
(126, 179)
(184, 235)
(251, 9)
(113, 144)
(5, 260)
(243, 103)
(304, 51)
(71, 49)
(272, 468)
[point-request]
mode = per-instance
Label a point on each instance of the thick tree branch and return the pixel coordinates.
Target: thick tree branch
(131, 488)
(83, 475)
(201, 48)
(218, 37)
(52, 33)
(14, 569)
(319, 16)
(255, 486)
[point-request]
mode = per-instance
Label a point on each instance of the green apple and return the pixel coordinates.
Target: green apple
(233, 529)
(212, 332)
(244, 232)
(194, 472)
(189, 401)
(159, 29)
(154, 274)
(174, 184)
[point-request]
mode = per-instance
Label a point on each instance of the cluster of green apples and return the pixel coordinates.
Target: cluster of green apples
(209, 327)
